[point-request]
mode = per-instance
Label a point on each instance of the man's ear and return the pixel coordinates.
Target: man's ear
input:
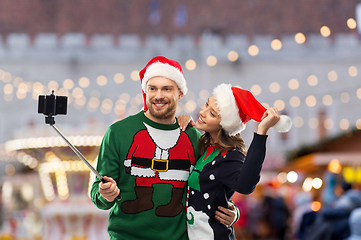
(181, 94)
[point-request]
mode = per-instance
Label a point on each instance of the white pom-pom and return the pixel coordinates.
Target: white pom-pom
(284, 124)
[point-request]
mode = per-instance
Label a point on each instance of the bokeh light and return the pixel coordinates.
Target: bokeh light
(327, 100)
(233, 56)
(300, 38)
(316, 206)
(317, 183)
(118, 78)
(328, 123)
(345, 97)
(352, 71)
(191, 64)
(344, 124)
(253, 50)
(358, 124)
(204, 94)
(101, 80)
(311, 101)
(279, 104)
(8, 88)
(256, 89)
(332, 76)
(274, 87)
(68, 84)
(334, 166)
(307, 184)
(325, 31)
(293, 84)
(84, 82)
(312, 80)
(276, 44)
(295, 101)
(292, 176)
(298, 122)
(313, 123)
(351, 23)
(211, 61)
(282, 177)
(53, 85)
(134, 75)
(77, 92)
(358, 93)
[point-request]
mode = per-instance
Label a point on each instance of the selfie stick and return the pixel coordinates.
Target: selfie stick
(77, 152)
(50, 120)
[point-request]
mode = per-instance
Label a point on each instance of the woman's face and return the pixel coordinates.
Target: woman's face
(209, 120)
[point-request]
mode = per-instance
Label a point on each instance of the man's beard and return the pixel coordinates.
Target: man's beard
(165, 113)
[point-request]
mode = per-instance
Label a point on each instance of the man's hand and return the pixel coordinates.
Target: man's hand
(227, 216)
(109, 190)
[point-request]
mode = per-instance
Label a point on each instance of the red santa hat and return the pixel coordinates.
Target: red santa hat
(162, 67)
(237, 106)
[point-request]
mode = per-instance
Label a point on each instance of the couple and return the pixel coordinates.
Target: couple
(147, 160)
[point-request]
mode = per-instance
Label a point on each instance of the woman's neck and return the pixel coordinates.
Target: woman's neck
(213, 140)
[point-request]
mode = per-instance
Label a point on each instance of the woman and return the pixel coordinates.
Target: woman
(226, 166)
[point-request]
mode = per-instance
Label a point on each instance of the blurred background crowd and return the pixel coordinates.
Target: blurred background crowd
(302, 57)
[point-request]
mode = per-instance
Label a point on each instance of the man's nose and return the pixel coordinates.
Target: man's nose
(159, 95)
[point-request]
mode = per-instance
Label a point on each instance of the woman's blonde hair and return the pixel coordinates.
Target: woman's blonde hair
(225, 141)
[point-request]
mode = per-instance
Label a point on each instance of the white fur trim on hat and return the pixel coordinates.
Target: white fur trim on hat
(159, 69)
(228, 109)
(284, 124)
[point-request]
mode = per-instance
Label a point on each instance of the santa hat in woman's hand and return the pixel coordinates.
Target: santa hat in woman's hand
(162, 67)
(237, 106)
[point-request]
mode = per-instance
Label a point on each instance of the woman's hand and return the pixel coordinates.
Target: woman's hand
(269, 119)
(185, 120)
(109, 190)
(227, 216)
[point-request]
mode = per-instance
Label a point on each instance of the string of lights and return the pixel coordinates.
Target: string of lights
(16, 86)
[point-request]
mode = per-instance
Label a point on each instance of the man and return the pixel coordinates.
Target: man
(147, 160)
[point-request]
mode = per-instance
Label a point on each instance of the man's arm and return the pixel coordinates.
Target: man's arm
(108, 165)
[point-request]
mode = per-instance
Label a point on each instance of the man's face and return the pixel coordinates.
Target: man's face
(162, 98)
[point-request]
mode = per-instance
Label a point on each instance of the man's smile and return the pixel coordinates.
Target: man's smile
(159, 105)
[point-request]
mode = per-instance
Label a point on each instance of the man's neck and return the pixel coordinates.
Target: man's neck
(170, 120)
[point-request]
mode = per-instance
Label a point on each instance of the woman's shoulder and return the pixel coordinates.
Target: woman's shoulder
(234, 154)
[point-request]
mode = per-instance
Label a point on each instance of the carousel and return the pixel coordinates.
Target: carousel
(54, 187)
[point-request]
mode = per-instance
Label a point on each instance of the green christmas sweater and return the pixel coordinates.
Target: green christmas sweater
(151, 163)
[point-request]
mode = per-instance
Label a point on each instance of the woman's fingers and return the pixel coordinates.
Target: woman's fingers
(226, 216)
(185, 120)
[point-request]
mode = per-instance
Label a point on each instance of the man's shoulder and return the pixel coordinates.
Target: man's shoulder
(128, 121)
(193, 132)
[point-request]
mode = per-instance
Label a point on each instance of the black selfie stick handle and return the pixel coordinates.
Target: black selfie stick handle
(78, 153)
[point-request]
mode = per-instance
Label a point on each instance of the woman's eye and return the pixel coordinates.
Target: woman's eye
(213, 115)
